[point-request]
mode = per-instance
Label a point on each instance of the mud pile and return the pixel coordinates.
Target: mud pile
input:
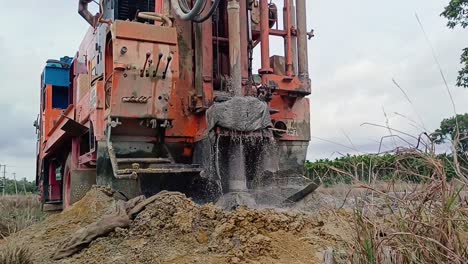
(43, 238)
(173, 229)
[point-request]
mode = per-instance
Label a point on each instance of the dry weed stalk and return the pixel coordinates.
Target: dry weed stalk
(15, 255)
(18, 212)
(427, 225)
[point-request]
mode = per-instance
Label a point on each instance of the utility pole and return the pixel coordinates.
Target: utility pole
(16, 186)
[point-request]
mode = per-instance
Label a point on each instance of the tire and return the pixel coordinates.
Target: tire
(66, 189)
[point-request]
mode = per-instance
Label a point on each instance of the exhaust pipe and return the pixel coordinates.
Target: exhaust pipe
(84, 12)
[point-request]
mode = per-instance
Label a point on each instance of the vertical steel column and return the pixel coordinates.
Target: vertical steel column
(159, 9)
(265, 37)
(288, 52)
(207, 45)
(292, 15)
(303, 64)
(235, 46)
(244, 42)
(203, 37)
(198, 38)
(159, 4)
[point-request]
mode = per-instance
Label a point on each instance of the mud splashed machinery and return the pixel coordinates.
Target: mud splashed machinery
(162, 95)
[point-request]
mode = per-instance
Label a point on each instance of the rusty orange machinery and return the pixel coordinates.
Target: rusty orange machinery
(132, 101)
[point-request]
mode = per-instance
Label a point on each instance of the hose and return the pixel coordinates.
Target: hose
(210, 13)
(183, 5)
(183, 11)
(195, 11)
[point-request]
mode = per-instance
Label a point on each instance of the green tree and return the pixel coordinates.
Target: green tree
(22, 185)
(448, 131)
(457, 14)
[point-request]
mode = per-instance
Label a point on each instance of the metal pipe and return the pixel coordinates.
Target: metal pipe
(233, 9)
(265, 37)
(207, 47)
(159, 6)
(292, 15)
(199, 55)
(288, 39)
(250, 48)
(273, 32)
(303, 64)
(84, 12)
(244, 43)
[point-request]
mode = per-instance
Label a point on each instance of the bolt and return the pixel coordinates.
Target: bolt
(123, 50)
(311, 34)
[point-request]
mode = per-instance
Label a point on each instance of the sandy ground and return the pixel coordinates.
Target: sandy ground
(173, 229)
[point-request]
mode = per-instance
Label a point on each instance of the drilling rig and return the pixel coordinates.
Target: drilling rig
(162, 95)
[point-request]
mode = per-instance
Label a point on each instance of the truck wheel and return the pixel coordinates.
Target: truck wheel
(66, 192)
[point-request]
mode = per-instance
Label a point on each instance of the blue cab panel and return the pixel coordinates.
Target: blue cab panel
(57, 73)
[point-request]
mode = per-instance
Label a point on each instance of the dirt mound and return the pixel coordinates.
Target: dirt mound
(173, 229)
(42, 239)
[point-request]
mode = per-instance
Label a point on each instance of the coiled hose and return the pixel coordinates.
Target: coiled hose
(184, 12)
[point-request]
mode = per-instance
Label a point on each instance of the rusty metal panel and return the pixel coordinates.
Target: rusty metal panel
(295, 114)
(57, 135)
(144, 32)
(83, 108)
(143, 79)
(286, 85)
(86, 49)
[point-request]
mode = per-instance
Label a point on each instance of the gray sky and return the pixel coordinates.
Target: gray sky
(359, 47)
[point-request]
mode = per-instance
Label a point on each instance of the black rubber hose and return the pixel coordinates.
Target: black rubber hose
(198, 18)
(213, 8)
(195, 11)
(184, 6)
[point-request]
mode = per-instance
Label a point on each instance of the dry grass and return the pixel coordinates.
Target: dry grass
(15, 255)
(343, 189)
(18, 212)
(425, 223)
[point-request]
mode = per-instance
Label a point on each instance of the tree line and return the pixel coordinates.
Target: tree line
(18, 187)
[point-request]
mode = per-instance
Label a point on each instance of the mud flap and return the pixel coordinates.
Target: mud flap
(81, 182)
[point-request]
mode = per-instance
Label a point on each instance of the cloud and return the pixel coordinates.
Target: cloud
(355, 85)
(40, 32)
(16, 127)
